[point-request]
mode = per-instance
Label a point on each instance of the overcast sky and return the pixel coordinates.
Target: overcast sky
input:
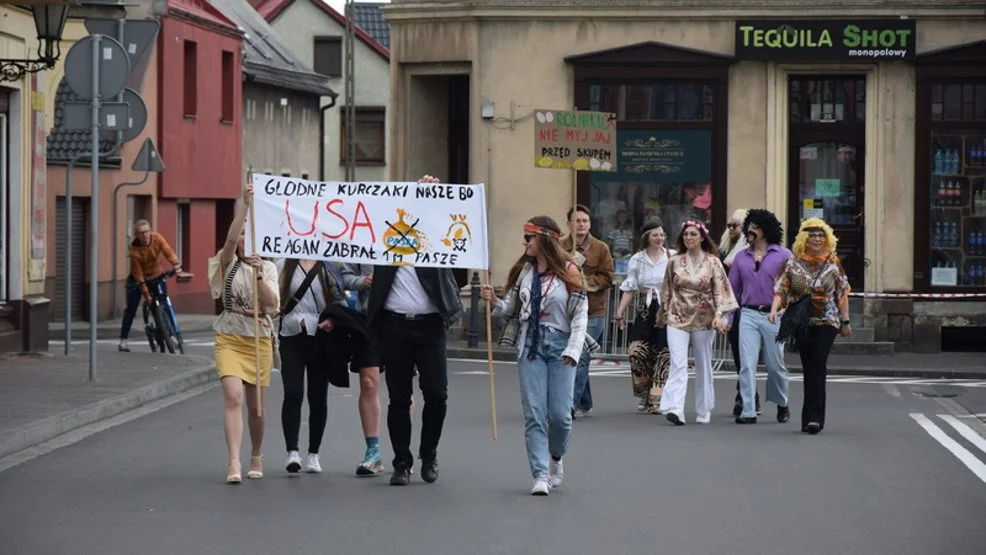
(340, 5)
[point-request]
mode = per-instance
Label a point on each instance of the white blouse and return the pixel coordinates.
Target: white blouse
(304, 316)
(644, 275)
(237, 322)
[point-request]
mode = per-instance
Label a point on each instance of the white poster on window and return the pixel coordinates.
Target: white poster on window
(385, 223)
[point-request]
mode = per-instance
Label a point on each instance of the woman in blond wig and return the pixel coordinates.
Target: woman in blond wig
(816, 270)
(231, 278)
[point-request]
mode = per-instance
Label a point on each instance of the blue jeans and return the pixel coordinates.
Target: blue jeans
(583, 392)
(756, 331)
(546, 385)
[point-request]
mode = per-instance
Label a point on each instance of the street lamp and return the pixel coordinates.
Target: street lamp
(49, 19)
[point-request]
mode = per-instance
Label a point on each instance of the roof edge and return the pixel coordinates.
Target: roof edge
(271, 10)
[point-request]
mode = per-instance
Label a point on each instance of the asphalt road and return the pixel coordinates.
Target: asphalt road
(881, 479)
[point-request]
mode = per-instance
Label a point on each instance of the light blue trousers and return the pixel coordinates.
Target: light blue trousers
(757, 332)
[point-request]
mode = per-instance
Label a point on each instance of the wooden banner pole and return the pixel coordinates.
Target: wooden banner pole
(256, 306)
(489, 358)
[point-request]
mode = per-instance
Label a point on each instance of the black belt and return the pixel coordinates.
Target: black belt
(410, 317)
(761, 308)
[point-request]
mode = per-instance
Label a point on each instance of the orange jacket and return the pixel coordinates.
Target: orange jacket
(144, 259)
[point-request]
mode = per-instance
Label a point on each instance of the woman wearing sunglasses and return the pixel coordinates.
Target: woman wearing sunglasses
(547, 312)
(695, 299)
(816, 270)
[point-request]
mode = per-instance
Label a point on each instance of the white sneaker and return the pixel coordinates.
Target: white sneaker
(557, 473)
(294, 462)
(703, 417)
(541, 486)
(311, 463)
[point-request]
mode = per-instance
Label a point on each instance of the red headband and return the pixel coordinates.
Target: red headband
(534, 229)
(695, 223)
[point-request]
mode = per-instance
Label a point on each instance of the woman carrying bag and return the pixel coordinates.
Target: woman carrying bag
(814, 289)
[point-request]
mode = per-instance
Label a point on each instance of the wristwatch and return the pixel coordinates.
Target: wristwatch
(845, 322)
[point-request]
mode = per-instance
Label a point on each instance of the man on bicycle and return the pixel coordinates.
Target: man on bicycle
(145, 252)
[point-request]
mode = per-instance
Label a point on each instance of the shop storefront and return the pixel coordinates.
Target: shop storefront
(859, 121)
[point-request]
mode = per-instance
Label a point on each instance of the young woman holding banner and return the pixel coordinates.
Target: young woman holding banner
(231, 278)
(547, 309)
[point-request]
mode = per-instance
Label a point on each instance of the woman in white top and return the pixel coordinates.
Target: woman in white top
(231, 278)
(649, 357)
(548, 310)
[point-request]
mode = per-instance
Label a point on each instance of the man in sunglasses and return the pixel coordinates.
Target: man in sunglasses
(752, 277)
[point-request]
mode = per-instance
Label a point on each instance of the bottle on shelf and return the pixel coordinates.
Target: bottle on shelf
(936, 236)
(953, 167)
(938, 162)
(953, 235)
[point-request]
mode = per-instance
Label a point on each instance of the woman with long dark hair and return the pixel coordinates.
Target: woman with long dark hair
(695, 300)
(815, 270)
(649, 357)
(548, 310)
(231, 278)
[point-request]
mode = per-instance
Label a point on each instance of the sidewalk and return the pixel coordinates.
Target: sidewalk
(110, 329)
(45, 395)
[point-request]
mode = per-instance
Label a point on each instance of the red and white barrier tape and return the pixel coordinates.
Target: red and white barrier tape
(920, 295)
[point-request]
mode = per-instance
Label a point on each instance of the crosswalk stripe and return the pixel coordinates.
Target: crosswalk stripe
(964, 455)
(965, 431)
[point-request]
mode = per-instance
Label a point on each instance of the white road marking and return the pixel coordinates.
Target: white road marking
(965, 431)
(965, 457)
(891, 390)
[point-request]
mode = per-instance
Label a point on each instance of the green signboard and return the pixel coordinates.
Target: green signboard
(663, 155)
(826, 40)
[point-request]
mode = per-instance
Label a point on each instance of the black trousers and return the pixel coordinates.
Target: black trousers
(299, 357)
(406, 345)
(814, 359)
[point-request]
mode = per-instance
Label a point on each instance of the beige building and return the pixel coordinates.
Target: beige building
(875, 122)
(314, 31)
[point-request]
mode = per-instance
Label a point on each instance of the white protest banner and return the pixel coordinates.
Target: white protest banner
(387, 223)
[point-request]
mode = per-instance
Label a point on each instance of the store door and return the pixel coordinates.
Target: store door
(827, 163)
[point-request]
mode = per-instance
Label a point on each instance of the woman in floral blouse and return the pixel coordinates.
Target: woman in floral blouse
(815, 269)
(695, 297)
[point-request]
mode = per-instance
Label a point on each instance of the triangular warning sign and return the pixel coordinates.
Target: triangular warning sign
(148, 159)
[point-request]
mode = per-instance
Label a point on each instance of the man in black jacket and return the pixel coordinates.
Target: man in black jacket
(410, 310)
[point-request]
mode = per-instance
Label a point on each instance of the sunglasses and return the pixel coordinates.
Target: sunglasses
(733, 225)
(816, 235)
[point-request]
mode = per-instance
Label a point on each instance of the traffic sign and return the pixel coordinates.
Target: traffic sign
(148, 159)
(113, 116)
(114, 67)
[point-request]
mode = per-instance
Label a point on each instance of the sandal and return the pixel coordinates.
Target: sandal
(233, 475)
(256, 471)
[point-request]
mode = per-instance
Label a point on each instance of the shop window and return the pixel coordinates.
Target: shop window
(370, 136)
(327, 56)
(183, 243)
(958, 102)
(957, 201)
(190, 84)
(820, 100)
(656, 102)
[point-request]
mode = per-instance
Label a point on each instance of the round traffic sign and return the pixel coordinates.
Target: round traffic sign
(138, 114)
(114, 67)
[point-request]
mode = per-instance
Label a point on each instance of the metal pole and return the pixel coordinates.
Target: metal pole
(94, 223)
(116, 232)
(67, 278)
(120, 36)
(350, 84)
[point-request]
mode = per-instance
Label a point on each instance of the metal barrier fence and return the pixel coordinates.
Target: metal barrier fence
(614, 341)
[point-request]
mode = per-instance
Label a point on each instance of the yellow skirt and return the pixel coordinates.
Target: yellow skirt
(235, 356)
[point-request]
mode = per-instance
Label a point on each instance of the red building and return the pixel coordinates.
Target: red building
(200, 65)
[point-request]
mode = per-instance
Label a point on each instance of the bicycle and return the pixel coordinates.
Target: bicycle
(160, 324)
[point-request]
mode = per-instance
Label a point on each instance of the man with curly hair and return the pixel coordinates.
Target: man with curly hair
(752, 277)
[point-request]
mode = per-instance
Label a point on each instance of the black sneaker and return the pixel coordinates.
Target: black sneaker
(746, 419)
(401, 475)
(429, 470)
(783, 414)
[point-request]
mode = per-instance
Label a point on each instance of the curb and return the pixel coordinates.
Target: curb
(502, 355)
(82, 333)
(54, 426)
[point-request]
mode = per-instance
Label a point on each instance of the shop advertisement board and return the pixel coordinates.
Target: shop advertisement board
(826, 40)
(575, 140)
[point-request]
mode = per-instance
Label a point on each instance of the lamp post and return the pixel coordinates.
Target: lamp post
(49, 20)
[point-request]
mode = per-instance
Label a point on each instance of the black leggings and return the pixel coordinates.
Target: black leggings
(298, 354)
(814, 361)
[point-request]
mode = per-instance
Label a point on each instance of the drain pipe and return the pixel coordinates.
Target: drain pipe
(321, 137)
(116, 190)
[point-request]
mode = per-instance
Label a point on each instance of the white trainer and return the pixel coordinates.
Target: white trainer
(311, 463)
(541, 486)
(294, 462)
(703, 418)
(557, 473)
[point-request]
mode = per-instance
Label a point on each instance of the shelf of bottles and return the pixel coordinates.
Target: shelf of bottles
(958, 209)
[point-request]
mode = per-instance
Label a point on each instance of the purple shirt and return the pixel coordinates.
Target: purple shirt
(753, 286)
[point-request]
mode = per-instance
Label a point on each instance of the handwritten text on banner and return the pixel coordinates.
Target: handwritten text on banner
(419, 224)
